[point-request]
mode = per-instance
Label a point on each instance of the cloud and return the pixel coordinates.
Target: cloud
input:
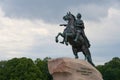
(107, 30)
(104, 36)
(17, 35)
(52, 11)
(28, 28)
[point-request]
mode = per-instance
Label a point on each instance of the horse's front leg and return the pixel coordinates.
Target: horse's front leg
(66, 38)
(59, 34)
(62, 42)
(56, 38)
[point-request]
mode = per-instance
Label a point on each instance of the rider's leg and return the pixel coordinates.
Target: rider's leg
(77, 36)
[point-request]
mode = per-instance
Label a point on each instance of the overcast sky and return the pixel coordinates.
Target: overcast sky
(28, 28)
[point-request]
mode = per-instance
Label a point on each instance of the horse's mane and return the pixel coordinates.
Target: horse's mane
(73, 17)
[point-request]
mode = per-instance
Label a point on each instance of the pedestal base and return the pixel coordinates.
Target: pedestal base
(72, 69)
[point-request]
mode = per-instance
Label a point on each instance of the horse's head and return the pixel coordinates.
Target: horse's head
(69, 17)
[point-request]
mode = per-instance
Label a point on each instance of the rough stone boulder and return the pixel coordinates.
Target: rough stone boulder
(72, 69)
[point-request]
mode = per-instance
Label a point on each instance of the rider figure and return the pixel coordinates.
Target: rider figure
(79, 26)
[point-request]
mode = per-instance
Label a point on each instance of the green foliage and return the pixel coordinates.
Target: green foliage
(111, 69)
(24, 69)
(2, 70)
(42, 65)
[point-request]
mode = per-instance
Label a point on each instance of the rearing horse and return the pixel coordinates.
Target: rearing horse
(69, 35)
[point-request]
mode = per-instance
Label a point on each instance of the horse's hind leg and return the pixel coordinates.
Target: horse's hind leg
(75, 52)
(85, 56)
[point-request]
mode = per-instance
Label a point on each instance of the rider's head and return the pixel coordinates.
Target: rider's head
(79, 16)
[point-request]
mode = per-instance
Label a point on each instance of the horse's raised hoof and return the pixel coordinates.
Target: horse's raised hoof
(56, 41)
(62, 42)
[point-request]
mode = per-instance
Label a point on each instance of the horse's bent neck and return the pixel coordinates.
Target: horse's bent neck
(71, 23)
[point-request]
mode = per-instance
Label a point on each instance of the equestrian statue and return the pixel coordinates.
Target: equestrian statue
(74, 35)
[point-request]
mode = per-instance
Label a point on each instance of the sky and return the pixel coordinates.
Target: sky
(28, 28)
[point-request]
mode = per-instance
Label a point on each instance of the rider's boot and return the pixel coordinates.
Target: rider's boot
(76, 38)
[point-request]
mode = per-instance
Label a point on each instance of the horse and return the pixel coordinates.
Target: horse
(69, 35)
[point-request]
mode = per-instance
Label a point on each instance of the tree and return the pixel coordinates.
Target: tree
(2, 70)
(21, 69)
(43, 67)
(24, 69)
(111, 69)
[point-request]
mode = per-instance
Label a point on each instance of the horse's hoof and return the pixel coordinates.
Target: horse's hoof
(76, 57)
(66, 44)
(56, 41)
(62, 42)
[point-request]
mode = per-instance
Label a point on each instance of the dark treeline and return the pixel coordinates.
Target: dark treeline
(24, 69)
(111, 69)
(27, 69)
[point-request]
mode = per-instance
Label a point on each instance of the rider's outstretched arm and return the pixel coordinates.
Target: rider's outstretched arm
(63, 24)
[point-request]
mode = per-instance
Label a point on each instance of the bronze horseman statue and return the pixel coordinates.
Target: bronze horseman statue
(74, 35)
